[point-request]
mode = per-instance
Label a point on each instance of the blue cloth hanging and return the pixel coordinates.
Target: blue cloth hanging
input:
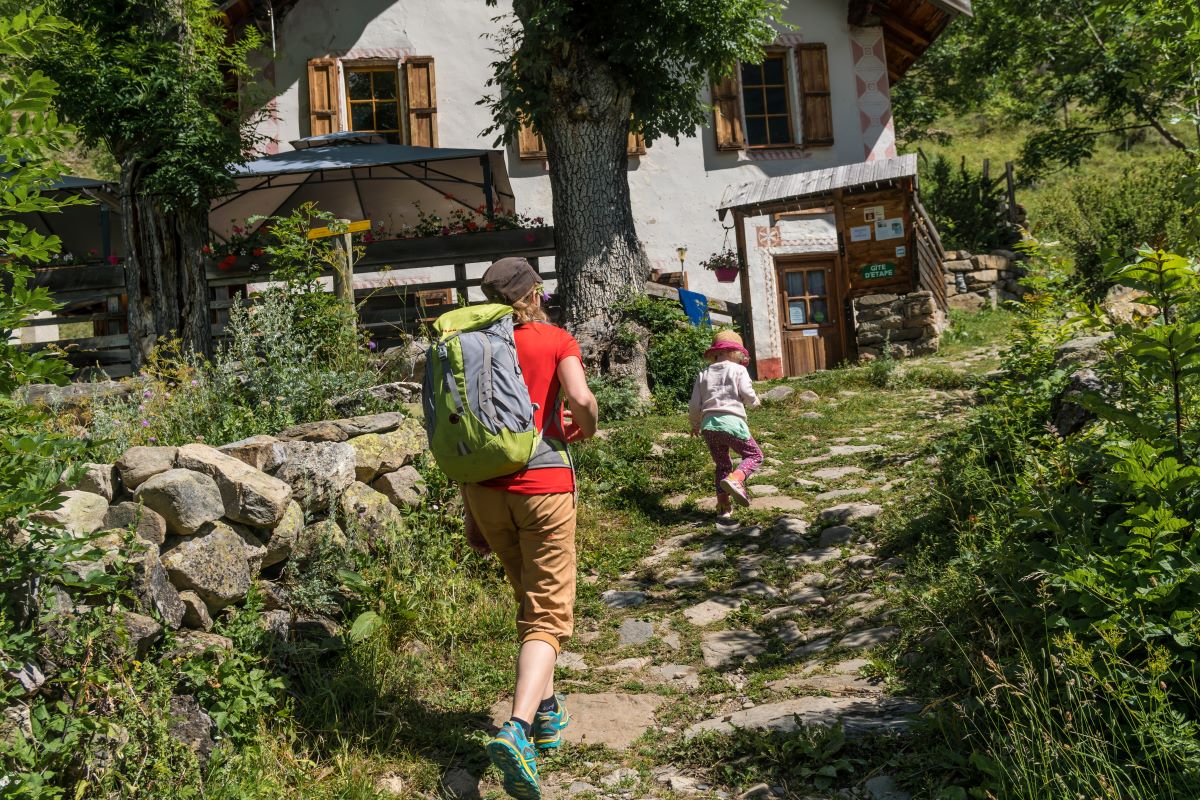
(695, 305)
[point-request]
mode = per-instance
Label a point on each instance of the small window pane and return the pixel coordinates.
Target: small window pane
(780, 131)
(796, 315)
(773, 71)
(820, 311)
(751, 74)
(795, 284)
(387, 117)
(358, 85)
(385, 85)
(753, 98)
(756, 130)
(361, 117)
(816, 283)
(776, 101)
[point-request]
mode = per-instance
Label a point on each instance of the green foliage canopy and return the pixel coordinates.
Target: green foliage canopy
(1077, 70)
(662, 53)
(151, 82)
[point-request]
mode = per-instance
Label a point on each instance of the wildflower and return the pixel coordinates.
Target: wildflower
(371, 345)
(154, 438)
(147, 393)
(195, 382)
(145, 423)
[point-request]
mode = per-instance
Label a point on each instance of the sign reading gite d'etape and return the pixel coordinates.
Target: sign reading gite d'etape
(882, 269)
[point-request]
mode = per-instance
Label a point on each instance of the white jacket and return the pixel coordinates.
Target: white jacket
(723, 388)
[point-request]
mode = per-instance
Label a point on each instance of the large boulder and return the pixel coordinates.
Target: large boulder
(321, 431)
(138, 464)
(367, 511)
(318, 472)
(187, 500)
(140, 633)
(264, 453)
(377, 454)
(252, 548)
(280, 540)
(250, 496)
(212, 564)
(406, 361)
(371, 423)
(81, 513)
(148, 524)
(404, 487)
(195, 613)
(1085, 351)
(1069, 416)
(98, 479)
(327, 531)
(153, 590)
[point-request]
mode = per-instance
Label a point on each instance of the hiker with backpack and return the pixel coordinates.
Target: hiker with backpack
(496, 425)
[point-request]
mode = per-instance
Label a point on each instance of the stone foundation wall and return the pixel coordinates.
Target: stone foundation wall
(974, 282)
(901, 325)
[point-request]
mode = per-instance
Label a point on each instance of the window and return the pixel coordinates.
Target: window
(806, 298)
(373, 97)
(397, 102)
(531, 146)
(766, 103)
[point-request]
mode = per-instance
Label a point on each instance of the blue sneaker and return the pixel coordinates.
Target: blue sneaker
(548, 726)
(512, 753)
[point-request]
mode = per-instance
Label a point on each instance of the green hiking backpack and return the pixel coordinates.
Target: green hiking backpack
(478, 414)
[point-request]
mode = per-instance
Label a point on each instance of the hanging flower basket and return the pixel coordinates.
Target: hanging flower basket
(725, 265)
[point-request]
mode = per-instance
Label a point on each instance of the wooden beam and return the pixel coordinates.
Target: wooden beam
(891, 22)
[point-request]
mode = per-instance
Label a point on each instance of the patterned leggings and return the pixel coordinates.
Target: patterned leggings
(720, 443)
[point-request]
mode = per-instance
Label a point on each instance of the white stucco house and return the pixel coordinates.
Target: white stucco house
(414, 71)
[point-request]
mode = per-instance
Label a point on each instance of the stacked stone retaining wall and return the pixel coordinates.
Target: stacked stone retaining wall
(900, 325)
(974, 282)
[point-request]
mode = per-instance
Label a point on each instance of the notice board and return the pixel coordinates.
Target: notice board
(877, 232)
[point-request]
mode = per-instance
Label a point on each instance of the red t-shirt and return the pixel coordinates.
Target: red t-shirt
(540, 349)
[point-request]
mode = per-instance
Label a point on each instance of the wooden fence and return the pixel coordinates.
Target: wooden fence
(391, 303)
(930, 254)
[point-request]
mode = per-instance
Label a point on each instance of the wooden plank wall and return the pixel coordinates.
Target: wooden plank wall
(930, 254)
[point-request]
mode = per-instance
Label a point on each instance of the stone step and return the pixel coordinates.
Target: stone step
(859, 716)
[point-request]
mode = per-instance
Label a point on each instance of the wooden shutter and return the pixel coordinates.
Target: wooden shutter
(530, 145)
(815, 106)
(421, 98)
(727, 114)
(323, 115)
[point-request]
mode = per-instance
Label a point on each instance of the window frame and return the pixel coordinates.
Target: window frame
(790, 87)
(345, 67)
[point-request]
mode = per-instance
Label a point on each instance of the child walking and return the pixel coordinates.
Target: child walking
(718, 413)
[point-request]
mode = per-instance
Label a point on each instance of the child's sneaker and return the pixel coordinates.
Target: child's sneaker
(736, 490)
(512, 753)
(549, 725)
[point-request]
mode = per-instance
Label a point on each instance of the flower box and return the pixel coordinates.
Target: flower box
(725, 275)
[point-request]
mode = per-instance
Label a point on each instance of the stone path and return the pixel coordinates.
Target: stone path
(722, 626)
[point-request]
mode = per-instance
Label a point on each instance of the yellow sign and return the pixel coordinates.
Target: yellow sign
(362, 226)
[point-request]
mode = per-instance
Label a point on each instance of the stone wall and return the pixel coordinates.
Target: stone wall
(974, 282)
(215, 522)
(902, 325)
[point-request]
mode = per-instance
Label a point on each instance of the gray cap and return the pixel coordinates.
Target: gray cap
(509, 279)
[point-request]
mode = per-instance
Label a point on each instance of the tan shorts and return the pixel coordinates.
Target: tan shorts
(534, 538)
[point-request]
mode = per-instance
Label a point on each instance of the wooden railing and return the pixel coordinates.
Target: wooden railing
(722, 312)
(390, 306)
(930, 254)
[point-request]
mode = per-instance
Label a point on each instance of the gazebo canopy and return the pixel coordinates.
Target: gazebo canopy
(356, 179)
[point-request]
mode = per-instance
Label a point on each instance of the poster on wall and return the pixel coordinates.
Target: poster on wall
(873, 214)
(860, 233)
(901, 251)
(889, 228)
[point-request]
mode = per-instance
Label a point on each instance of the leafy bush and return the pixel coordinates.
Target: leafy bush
(675, 354)
(617, 398)
(1073, 568)
(967, 208)
(1101, 214)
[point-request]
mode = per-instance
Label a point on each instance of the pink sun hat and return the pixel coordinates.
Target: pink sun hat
(727, 340)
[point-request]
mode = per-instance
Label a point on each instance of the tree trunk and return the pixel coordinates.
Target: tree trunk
(598, 257)
(164, 269)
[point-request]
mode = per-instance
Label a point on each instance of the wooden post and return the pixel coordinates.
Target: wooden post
(1010, 177)
(343, 268)
(460, 284)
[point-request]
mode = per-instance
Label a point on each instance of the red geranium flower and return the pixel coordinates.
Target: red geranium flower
(114, 260)
(206, 250)
(445, 231)
(258, 251)
(471, 226)
(227, 262)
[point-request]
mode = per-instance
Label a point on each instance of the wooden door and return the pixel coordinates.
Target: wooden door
(810, 306)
